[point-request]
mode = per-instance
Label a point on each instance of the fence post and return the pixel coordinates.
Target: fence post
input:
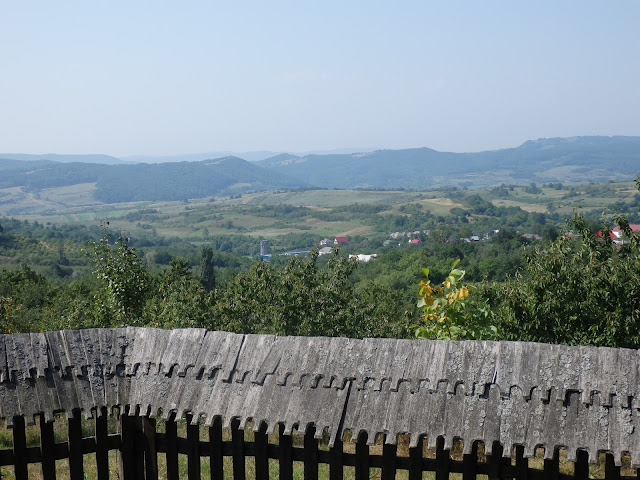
(261, 441)
(151, 454)
(336, 471)
(193, 440)
(611, 471)
(522, 464)
(46, 448)
(285, 461)
(102, 449)
(470, 463)
(131, 456)
(217, 459)
(19, 449)
(237, 444)
(552, 466)
(76, 466)
(310, 454)
(415, 460)
(581, 468)
(442, 460)
(171, 440)
(362, 457)
(494, 462)
(389, 453)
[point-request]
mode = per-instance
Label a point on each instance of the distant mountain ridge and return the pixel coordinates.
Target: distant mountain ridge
(64, 158)
(568, 160)
(572, 160)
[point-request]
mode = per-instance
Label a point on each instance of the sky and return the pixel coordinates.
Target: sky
(166, 77)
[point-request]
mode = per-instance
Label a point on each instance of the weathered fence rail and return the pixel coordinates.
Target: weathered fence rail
(307, 396)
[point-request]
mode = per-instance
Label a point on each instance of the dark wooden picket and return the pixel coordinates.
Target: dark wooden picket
(139, 444)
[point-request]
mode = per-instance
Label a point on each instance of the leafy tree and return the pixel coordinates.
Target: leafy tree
(300, 299)
(179, 300)
(125, 281)
(8, 311)
(584, 291)
(207, 272)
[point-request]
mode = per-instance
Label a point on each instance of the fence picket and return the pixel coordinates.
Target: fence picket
(217, 459)
(76, 467)
(140, 445)
(19, 449)
(552, 466)
(388, 461)
(150, 452)
(469, 463)
(193, 441)
(171, 442)
(581, 467)
(611, 471)
(494, 462)
(442, 460)
(285, 461)
(522, 464)
(102, 448)
(362, 457)
(336, 471)
(261, 441)
(237, 441)
(47, 449)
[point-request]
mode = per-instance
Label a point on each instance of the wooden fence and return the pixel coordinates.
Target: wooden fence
(147, 452)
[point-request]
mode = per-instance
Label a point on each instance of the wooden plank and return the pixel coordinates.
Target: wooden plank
(261, 441)
(216, 459)
(335, 461)
(470, 463)
(47, 441)
(285, 457)
(19, 449)
(102, 447)
(388, 461)
(442, 460)
(171, 442)
(193, 455)
(552, 466)
(76, 467)
(237, 442)
(150, 452)
(362, 457)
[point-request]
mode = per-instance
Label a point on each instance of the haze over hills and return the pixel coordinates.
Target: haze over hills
(64, 158)
(250, 156)
(568, 160)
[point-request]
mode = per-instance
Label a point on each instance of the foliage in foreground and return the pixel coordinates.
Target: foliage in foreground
(584, 291)
(449, 311)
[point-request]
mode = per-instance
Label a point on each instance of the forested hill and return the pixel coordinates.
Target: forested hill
(154, 182)
(569, 160)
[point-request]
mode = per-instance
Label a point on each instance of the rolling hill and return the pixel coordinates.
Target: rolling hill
(570, 160)
(567, 160)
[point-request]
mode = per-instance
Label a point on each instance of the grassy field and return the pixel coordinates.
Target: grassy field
(195, 219)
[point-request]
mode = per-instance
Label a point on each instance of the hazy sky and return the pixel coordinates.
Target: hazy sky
(168, 77)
